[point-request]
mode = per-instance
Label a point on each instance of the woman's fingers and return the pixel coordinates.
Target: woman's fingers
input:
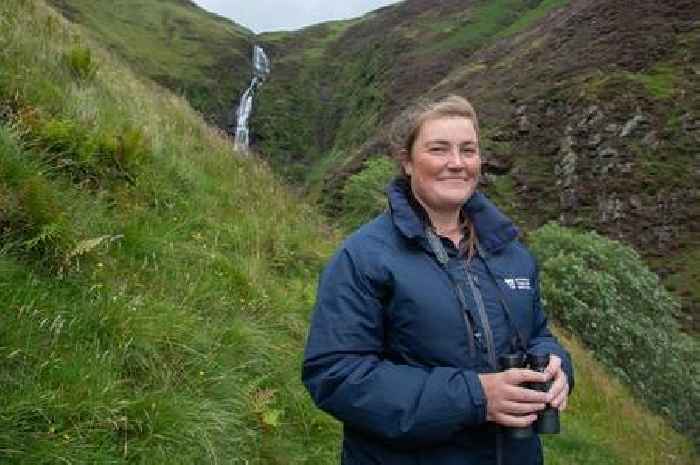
(525, 395)
(554, 366)
(509, 403)
(518, 376)
(515, 421)
(559, 391)
(558, 385)
(520, 408)
(560, 395)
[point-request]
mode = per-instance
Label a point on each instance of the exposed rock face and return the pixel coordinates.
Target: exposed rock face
(565, 170)
(632, 125)
(625, 168)
(587, 162)
(610, 209)
(691, 125)
(598, 164)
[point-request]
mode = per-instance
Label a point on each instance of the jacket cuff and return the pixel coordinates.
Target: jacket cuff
(568, 369)
(476, 414)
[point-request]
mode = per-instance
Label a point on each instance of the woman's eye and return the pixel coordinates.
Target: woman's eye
(437, 150)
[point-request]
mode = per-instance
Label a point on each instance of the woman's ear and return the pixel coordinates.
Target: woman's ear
(406, 164)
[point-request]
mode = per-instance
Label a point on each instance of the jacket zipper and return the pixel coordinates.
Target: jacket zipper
(469, 328)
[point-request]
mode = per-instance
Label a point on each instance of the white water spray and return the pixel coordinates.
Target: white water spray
(261, 69)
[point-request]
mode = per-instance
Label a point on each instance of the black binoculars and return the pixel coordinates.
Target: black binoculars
(548, 419)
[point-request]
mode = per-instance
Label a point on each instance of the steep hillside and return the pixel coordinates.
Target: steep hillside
(589, 110)
(603, 98)
(589, 114)
(152, 282)
(200, 55)
(155, 286)
(373, 66)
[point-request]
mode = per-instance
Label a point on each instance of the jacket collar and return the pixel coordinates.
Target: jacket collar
(493, 228)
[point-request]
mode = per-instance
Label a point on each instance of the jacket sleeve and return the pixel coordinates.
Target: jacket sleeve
(542, 340)
(345, 373)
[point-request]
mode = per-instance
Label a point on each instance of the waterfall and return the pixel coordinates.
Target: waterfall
(261, 69)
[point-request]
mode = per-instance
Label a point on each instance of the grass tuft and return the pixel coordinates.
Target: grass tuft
(80, 63)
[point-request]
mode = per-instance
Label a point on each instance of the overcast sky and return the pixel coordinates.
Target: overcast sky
(276, 15)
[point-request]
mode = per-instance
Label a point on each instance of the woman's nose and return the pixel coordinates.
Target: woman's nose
(455, 158)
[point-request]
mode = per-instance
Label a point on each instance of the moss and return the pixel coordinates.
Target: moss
(661, 81)
(487, 20)
(537, 10)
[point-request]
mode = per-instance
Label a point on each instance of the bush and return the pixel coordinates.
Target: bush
(601, 290)
(363, 194)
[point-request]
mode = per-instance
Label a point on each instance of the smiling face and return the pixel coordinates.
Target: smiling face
(444, 163)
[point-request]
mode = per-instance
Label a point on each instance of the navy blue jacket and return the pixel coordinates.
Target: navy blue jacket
(390, 353)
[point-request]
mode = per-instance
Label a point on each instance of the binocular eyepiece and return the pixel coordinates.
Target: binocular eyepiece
(548, 419)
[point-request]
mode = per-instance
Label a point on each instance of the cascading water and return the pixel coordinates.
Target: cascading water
(261, 69)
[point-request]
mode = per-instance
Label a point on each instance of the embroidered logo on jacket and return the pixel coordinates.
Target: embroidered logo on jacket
(522, 284)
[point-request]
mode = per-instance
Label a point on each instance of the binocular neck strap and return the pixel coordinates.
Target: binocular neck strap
(443, 259)
(504, 301)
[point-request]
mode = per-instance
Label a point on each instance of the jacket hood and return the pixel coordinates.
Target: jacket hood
(493, 228)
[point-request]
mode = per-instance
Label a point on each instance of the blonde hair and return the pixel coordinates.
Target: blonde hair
(408, 124)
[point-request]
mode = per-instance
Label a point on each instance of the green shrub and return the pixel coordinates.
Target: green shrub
(363, 194)
(601, 290)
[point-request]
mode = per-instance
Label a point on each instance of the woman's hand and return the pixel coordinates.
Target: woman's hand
(510, 404)
(558, 394)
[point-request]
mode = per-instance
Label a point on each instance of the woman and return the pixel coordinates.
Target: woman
(416, 307)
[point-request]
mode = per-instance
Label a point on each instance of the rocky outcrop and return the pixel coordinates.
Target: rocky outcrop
(598, 171)
(628, 168)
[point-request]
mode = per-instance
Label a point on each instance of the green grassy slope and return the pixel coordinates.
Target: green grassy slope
(153, 283)
(603, 425)
(155, 286)
(188, 50)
